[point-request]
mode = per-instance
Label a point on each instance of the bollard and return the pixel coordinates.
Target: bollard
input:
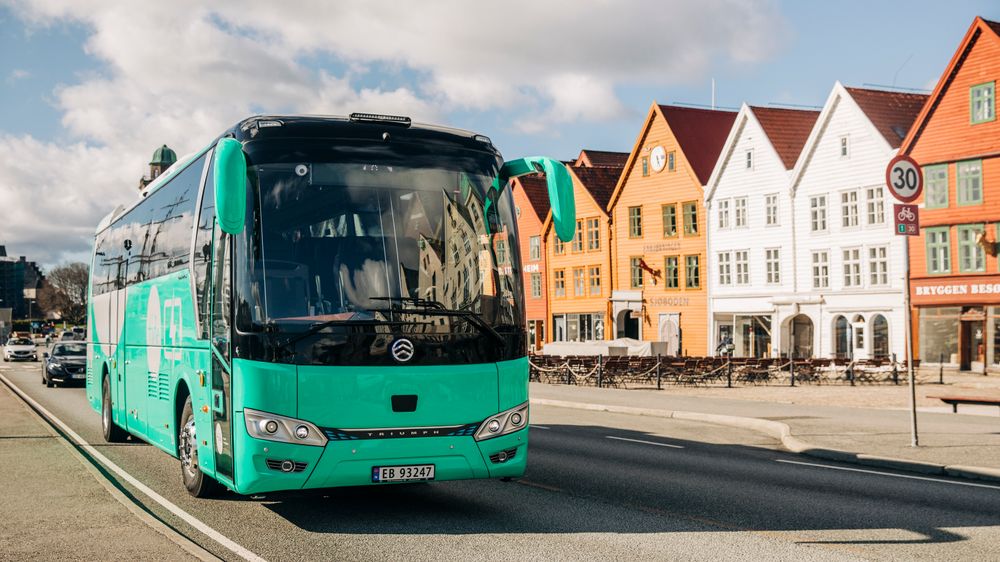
(941, 368)
(850, 372)
(658, 385)
(729, 371)
(600, 370)
(568, 373)
(895, 370)
(791, 371)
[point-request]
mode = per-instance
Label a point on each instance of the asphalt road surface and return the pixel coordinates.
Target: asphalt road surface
(598, 486)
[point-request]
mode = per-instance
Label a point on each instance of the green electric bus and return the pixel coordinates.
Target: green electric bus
(311, 302)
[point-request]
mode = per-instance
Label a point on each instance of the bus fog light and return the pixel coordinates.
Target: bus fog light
(287, 466)
(302, 432)
(493, 426)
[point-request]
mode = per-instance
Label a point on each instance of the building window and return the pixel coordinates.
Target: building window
(635, 222)
(579, 281)
(876, 205)
(740, 212)
(880, 337)
(742, 260)
(535, 248)
(645, 166)
(669, 221)
(635, 273)
(771, 209)
(578, 237)
(878, 266)
(817, 208)
(849, 209)
(982, 103)
(970, 182)
(970, 254)
(936, 186)
(845, 147)
(852, 267)
(536, 285)
(938, 250)
(725, 273)
(691, 219)
(671, 161)
(692, 272)
(749, 159)
(558, 246)
(723, 214)
(772, 259)
(821, 269)
(593, 234)
(559, 277)
(672, 280)
(594, 280)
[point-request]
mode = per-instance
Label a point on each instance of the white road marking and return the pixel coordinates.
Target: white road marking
(880, 473)
(535, 426)
(170, 506)
(645, 442)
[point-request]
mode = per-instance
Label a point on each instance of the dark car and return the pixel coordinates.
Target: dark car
(65, 363)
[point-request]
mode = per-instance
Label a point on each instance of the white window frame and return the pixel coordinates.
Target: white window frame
(741, 259)
(844, 146)
(852, 267)
(723, 214)
(821, 269)
(849, 209)
(740, 219)
(771, 210)
(875, 204)
(878, 266)
(818, 214)
(725, 269)
(772, 260)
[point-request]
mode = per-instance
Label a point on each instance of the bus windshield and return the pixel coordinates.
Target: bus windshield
(381, 235)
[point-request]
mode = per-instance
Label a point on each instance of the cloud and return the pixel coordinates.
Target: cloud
(180, 72)
(17, 74)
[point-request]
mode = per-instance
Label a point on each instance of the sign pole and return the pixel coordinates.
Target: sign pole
(908, 318)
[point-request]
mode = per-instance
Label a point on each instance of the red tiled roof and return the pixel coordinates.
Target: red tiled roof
(602, 158)
(788, 130)
(892, 113)
(537, 191)
(701, 134)
(599, 181)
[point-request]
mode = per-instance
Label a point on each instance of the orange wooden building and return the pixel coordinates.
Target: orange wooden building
(531, 204)
(658, 229)
(579, 272)
(955, 276)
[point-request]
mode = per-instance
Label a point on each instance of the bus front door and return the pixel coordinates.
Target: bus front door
(221, 326)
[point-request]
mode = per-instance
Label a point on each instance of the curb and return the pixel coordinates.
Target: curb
(153, 522)
(783, 433)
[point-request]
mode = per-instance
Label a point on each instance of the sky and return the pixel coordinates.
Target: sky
(90, 88)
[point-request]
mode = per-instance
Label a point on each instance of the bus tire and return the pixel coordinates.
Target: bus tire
(198, 484)
(112, 433)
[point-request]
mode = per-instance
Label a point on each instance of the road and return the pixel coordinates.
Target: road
(598, 485)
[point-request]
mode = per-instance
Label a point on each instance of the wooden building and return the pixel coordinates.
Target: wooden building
(531, 205)
(954, 271)
(579, 272)
(658, 229)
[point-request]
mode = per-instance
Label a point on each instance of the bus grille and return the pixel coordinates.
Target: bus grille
(495, 458)
(275, 464)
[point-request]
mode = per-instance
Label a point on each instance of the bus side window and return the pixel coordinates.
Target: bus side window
(202, 258)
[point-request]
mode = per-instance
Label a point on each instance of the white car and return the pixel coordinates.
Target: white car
(20, 349)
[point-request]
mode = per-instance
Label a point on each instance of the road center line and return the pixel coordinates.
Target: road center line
(880, 473)
(167, 504)
(535, 426)
(644, 442)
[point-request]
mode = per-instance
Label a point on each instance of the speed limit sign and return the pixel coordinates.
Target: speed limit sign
(904, 179)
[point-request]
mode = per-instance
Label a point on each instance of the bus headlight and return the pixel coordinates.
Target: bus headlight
(503, 423)
(285, 430)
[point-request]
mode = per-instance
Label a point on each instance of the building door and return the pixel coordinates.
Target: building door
(972, 345)
(670, 332)
(559, 328)
(802, 337)
(628, 325)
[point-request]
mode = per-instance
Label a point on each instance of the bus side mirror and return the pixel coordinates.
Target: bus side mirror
(230, 185)
(560, 187)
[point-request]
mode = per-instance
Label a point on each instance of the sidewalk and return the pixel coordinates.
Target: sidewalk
(967, 444)
(53, 506)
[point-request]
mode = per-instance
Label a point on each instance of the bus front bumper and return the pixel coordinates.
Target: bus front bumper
(351, 462)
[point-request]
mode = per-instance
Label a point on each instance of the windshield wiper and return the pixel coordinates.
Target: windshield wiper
(320, 326)
(434, 308)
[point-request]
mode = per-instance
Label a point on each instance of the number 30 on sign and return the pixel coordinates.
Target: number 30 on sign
(903, 178)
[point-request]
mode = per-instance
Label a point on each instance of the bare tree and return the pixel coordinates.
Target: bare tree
(65, 292)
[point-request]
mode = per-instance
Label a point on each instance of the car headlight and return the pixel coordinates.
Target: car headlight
(272, 427)
(509, 421)
(54, 366)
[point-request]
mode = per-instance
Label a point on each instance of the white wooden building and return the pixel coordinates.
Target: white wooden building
(749, 210)
(803, 259)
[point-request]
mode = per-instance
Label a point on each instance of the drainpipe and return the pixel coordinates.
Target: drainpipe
(711, 275)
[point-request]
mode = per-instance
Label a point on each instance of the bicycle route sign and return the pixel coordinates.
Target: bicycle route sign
(907, 219)
(904, 179)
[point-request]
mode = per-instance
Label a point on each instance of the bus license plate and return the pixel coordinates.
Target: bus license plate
(404, 473)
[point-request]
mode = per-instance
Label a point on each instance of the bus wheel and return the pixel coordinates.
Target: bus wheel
(112, 433)
(198, 484)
